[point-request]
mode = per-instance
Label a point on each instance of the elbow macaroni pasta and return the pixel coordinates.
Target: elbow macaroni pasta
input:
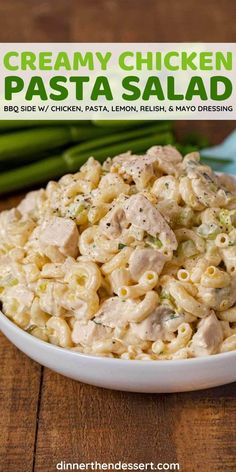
(140, 261)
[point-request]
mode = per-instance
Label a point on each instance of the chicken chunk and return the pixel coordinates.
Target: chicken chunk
(204, 183)
(114, 222)
(145, 259)
(15, 229)
(29, 205)
(62, 233)
(158, 324)
(207, 339)
(142, 213)
(114, 312)
(167, 158)
(218, 298)
(149, 329)
(208, 193)
(193, 168)
(87, 334)
(140, 168)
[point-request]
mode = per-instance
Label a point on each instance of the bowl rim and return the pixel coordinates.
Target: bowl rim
(90, 357)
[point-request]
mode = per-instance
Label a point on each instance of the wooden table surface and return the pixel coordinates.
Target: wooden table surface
(45, 418)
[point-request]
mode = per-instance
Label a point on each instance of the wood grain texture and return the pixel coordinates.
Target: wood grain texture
(19, 393)
(77, 422)
(86, 424)
(117, 20)
(96, 424)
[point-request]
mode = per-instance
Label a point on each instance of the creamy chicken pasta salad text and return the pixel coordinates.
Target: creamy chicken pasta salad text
(134, 259)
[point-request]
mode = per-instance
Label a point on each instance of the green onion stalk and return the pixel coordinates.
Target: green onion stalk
(28, 144)
(54, 167)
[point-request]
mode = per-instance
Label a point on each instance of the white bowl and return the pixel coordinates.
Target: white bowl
(134, 376)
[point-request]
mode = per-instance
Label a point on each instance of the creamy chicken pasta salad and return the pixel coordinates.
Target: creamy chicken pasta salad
(134, 259)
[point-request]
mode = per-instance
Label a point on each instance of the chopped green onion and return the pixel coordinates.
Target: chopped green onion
(185, 217)
(227, 218)
(154, 242)
(208, 231)
(167, 296)
(121, 246)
